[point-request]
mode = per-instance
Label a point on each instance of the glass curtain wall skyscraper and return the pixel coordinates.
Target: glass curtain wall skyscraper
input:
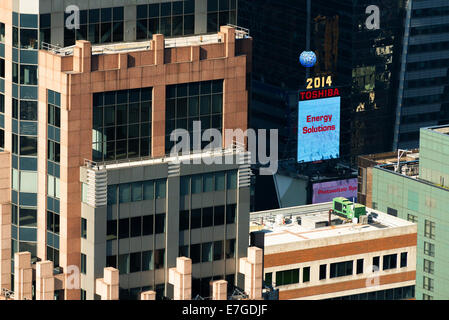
(424, 83)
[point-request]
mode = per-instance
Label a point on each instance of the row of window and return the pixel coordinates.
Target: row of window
(388, 294)
(219, 13)
(170, 19)
(429, 226)
(135, 227)
(190, 102)
(137, 261)
(337, 269)
(209, 251)
(207, 217)
(97, 26)
(429, 12)
(209, 182)
(137, 191)
(122, 124)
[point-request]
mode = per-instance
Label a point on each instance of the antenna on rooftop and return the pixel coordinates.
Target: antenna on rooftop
(401, 153)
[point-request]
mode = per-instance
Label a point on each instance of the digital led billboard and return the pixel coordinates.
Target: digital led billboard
(326, 191)
(318, 128)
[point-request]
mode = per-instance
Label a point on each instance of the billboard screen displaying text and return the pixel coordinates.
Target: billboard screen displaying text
(318, 129)
(326, 191)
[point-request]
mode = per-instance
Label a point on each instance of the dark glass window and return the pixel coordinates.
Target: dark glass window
(185, 186)
(306, 274)
(287, 277)
(2, 32)
(111, 230)
(230, 249)
(2, 68)
(207, 252)
(376, 264)
(187, 103)
(98, 26)
(269, 279)
(147, 226)
(28, 74)
(28, 217)
(112, 194)
(232, 180)
(183, 251)
(28, 38)
(359, 266)
(83, 263)
(323, 271)
(147, 261)
(230, 213)
(170, 19)
(123, 228)
(219, 215)
(160, 189)
(136, 226)
(220, 13)
(83, 228)
(195, 253)
(111, 261)
(135, 262)
(341, 269)
(122, 124)
(184, 219)
(208, 217)
(390, 261)
(28, 110)
(28, 146)
(196, 219)
(2, 103)
(159, 256)
(403, 259)
(45, 28)
(160, 223)
(218, 250)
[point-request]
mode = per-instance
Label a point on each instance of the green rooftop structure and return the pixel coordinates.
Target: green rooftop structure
(419, 192)
(347, 208)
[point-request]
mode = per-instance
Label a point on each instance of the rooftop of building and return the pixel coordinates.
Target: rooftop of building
(441, 129)
(287, 225)
(392, 157)
(172, 42)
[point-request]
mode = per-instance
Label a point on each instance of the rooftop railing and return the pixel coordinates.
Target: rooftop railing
(240, 33)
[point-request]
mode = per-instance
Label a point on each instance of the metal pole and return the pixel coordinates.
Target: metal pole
(308, 30)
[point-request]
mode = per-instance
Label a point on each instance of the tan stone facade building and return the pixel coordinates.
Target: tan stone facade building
(306, 258)
(71, 114)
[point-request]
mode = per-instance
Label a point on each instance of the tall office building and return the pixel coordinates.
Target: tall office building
(424, 81)
(109, 91)
(364, 63)
(417, 189)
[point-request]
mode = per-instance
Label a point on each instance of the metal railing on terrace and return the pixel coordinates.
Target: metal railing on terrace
(235, 148)
(240, 33)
